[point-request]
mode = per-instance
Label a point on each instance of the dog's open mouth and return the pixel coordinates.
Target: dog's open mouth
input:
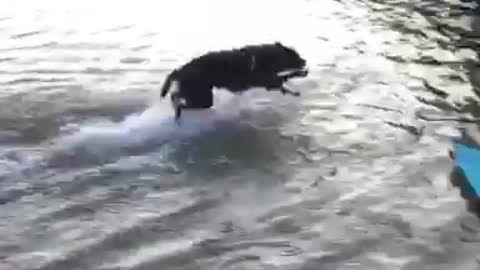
(299, 72)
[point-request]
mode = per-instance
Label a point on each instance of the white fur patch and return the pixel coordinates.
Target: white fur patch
(174, 87)
(287, 72)
(177, 101)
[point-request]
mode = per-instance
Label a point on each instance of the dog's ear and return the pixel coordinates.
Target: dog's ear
(277, 43)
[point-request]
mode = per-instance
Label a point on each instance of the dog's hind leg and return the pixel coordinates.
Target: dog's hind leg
(178, 113)
(178, 103)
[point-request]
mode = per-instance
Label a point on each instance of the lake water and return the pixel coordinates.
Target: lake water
(94, 174)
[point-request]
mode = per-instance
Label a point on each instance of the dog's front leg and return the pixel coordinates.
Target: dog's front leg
(277, 82)
(286, 90)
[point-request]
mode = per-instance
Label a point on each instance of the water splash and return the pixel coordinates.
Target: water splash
(154, 126)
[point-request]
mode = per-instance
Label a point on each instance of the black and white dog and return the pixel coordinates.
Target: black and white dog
(237, 70)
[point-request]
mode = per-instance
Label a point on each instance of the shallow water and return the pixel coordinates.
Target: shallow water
(94, 174)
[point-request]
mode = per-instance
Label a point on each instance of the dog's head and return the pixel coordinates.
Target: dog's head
(288, 59)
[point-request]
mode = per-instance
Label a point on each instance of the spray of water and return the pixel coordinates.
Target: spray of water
(152, 127)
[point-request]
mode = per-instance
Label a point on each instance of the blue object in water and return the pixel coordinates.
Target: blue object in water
(467, 158)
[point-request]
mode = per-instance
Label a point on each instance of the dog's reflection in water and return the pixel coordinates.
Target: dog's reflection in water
(231, 147)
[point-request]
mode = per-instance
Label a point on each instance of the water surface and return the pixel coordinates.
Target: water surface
(94, 174)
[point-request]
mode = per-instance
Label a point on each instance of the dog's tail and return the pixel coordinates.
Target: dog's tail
(167, 84)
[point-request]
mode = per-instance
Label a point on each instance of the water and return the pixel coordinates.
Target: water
(94, 174)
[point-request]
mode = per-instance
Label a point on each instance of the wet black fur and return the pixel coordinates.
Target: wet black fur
(235, 70)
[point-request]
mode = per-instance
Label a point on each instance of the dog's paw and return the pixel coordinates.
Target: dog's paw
(303, 73)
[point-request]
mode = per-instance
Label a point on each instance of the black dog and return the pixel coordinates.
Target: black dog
(236, 70)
